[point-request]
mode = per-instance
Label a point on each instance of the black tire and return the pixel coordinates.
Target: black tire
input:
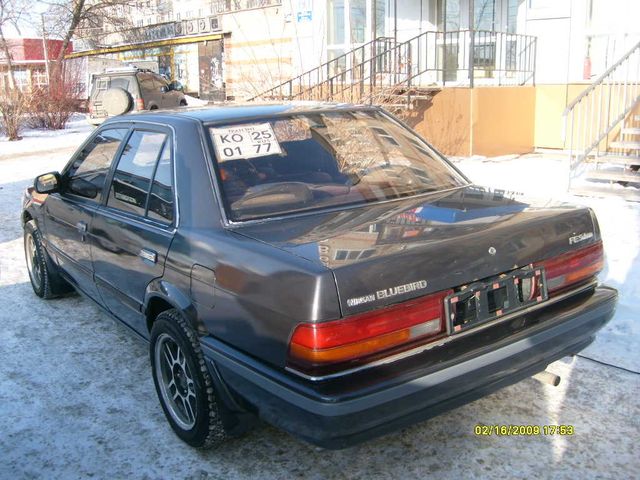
(207, 429)
(38, 264)
(183, 103)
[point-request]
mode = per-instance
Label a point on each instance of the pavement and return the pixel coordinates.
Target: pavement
(77, 398)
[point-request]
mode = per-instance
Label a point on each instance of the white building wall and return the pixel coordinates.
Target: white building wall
(570, 31)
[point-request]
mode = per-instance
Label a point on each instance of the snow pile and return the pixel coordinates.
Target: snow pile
(195, 102)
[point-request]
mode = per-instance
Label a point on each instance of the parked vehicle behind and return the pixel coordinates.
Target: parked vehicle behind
(318, 267)
(121, 90)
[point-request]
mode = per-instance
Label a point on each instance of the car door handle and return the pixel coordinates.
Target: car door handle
(82, 227)
(149, 255)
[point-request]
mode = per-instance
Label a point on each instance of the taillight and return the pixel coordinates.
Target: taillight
(139, 104)
(573, 267)
(361, 338)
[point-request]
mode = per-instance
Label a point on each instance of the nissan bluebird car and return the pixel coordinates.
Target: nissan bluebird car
(318, 267)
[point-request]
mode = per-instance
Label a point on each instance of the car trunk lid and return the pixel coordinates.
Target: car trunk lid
(385, 253)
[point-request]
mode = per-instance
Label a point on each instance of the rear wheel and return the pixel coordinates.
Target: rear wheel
(183, 383)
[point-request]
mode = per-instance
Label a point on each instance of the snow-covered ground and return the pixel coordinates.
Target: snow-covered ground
(77, 399)
(42, 141)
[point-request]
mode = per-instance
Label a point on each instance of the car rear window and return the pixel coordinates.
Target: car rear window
(105, 83)
(309, 161)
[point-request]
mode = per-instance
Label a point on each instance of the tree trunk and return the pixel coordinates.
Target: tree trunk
(76, 17)
(5, 48)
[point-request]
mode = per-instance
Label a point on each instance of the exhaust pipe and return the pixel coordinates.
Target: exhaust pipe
(548, 378)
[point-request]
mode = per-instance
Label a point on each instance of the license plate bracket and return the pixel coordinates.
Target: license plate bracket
(482, 302)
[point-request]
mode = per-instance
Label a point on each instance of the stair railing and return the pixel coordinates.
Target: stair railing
(590, 118)
(430, 58)
(314, 76)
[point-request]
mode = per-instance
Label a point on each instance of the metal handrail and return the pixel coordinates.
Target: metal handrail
(600, 79)
(425, 59)
(589, 119)
(326, 66)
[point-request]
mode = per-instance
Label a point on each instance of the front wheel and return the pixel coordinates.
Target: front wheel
(183, 383)
(37, 265)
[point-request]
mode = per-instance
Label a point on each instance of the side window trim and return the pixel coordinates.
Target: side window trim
(167, 141)
(114, 165)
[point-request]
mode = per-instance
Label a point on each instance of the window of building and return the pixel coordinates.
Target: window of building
(336, 21)
(353, 254)
(39, 78)
(358, 20)
(484, 14)
(512, 16)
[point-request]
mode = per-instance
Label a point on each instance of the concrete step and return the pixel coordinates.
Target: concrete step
(617, 159)
(631, 131)
(607, 191)
(613, 176)
(625, 145)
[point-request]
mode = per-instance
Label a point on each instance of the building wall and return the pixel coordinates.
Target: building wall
(503, 120)
(481, 121)
(259, 50)
(446, 123)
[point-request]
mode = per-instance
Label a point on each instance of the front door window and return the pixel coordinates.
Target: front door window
(91, 165)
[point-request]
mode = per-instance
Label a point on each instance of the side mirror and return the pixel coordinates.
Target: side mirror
(165, 88)
(83, 187)
(47, 183)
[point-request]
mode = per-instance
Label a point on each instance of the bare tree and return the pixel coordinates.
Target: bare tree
(92, 21)
(11, 13)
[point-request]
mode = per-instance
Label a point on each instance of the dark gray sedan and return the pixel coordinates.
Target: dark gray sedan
(318, 267)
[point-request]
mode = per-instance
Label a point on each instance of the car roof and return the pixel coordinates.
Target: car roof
(235, 111)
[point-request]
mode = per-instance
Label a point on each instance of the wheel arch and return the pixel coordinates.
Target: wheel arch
(161, 295)
(26, 217)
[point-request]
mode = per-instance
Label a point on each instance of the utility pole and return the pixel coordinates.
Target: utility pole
(45, 47)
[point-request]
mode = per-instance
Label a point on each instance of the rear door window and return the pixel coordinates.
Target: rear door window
(132, 177)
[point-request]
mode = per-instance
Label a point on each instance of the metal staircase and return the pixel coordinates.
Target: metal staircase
(398, 75)
(602, 132)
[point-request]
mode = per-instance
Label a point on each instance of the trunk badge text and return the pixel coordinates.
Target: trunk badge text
(580, 238)
(388, 293)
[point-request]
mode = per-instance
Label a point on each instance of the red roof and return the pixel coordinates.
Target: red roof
(31, 49)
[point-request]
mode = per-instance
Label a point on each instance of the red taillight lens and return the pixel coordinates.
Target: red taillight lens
(139, 104)
(360, 337)
(573, 267)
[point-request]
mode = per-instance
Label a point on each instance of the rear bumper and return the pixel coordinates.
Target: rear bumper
(382, 404)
